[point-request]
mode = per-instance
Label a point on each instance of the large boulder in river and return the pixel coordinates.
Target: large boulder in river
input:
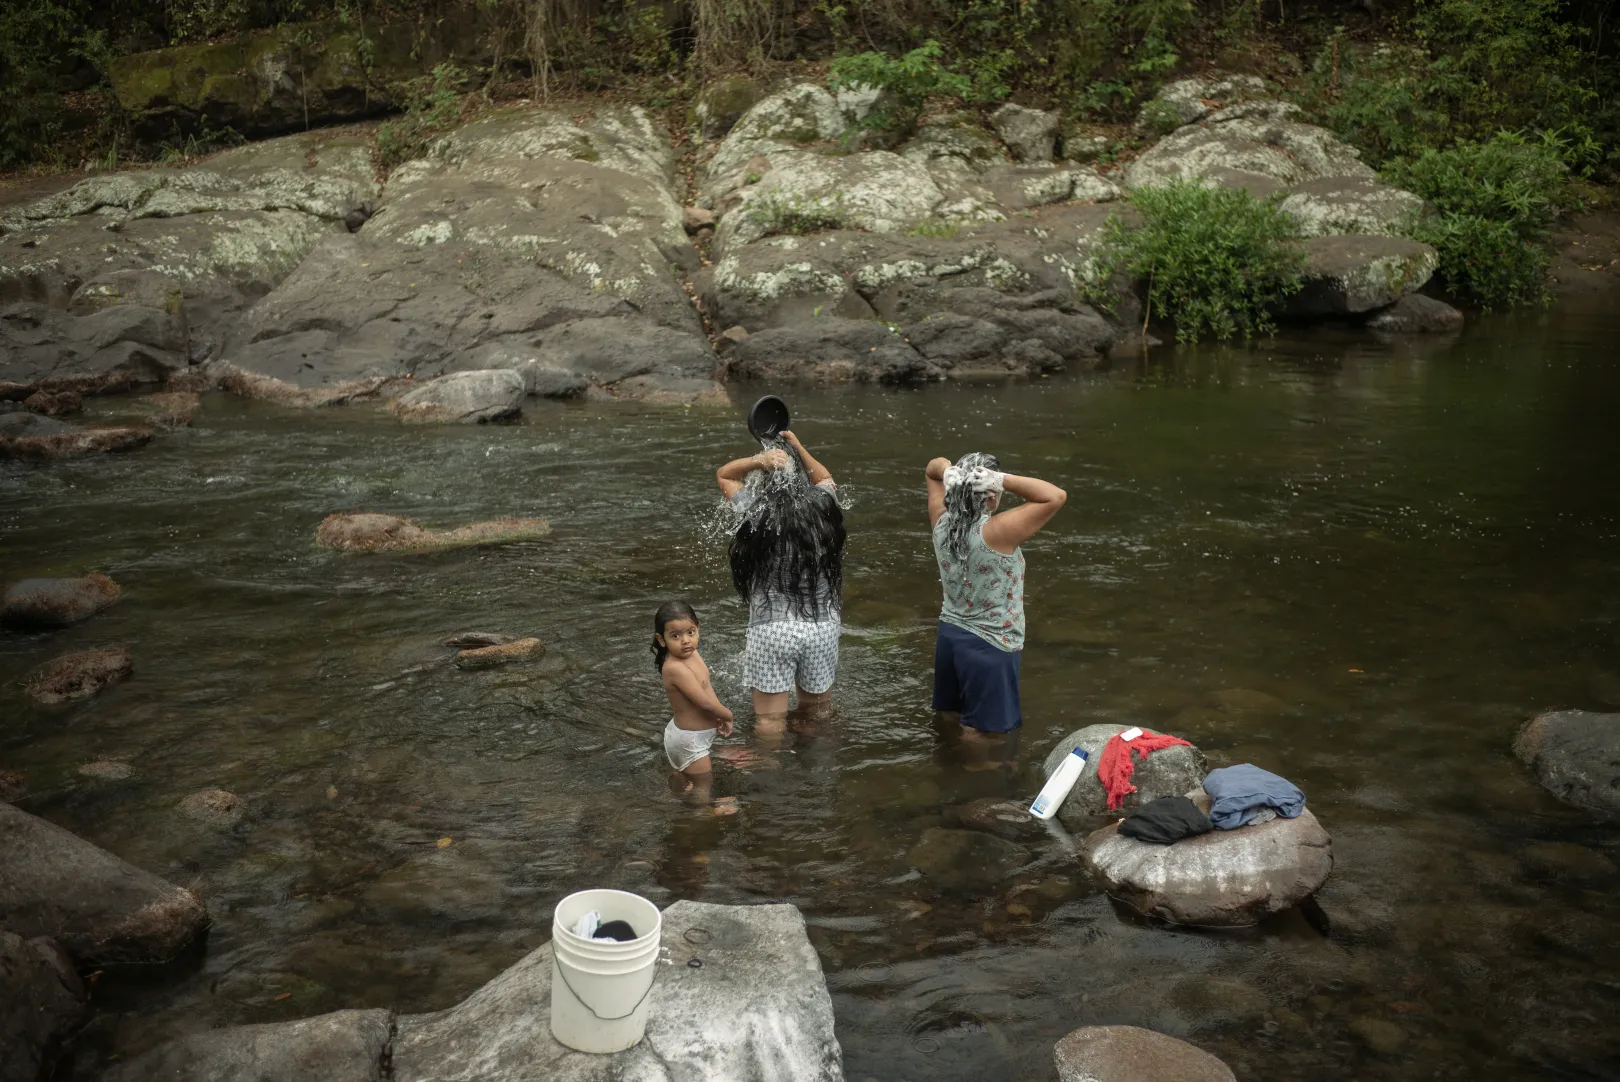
(1576, 755)
(46, 350)
(187, 248)
(1166, 772)
(29, 437)
(42, 1002)
(1132, 1054)
(514, 232)
(1223, 879)
(80, 674)
(344, 1046)
(368, 532)
(755, 1009)
(1349, 275)
(38, 604)
(476, 397)
(1416, 313)
(102, 910)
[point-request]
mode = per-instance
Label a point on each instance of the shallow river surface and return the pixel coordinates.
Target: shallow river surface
(1360, 565)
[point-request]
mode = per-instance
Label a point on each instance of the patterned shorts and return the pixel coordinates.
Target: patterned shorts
(787, 652)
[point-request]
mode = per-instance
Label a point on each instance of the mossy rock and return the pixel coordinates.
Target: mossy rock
(721, 104)
(296, 76)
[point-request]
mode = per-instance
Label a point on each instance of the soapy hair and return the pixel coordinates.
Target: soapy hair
(669, 610)
(790, 543)
(963, 506)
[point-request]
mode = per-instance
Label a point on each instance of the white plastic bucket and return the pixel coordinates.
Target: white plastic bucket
(600, 987)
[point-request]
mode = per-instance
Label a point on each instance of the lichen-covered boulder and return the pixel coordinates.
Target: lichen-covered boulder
(1030, 134)
(464, 397)
(39, 604)
(30, 437)
(1187, 101)
(390, 533)
(42, 1003)
(1226, 878)
(1576, 755)
(1166, 772)
(1335, 205)
(1348, 275)
(783, 122)
(878, 191)
(526, 230)
(1416, 314)
(191, 247)
(80, 675)
(829, 350)
(102, 910)
(1132, 1054)
(1235, 144)
(1019, 187)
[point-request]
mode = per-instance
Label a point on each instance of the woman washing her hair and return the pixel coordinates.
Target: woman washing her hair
(787, 562)
(981, 568)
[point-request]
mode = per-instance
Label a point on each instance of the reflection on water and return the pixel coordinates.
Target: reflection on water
(1358, 565)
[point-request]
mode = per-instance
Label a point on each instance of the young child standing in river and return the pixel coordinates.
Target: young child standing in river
(697, 714)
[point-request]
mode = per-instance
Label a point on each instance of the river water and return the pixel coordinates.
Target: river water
(1360, 565)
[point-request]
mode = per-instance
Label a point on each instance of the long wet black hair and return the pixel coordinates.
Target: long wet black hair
(790, 545)
(669, 610)
(964, 507)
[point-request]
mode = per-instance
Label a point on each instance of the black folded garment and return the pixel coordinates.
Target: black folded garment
(616, 929)
(1166, 821)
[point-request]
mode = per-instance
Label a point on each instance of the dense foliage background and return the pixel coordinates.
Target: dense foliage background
(1425, 88)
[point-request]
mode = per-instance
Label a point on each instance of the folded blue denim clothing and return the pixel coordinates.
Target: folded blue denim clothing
(1238, 793)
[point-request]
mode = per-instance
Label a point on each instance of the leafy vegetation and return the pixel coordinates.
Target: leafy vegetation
(1214, 261)
(434, 105)
(1495, 203)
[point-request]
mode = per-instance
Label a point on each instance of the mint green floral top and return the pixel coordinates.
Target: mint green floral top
(984, 593)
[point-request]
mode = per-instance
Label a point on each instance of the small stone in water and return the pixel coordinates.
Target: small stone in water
(110, 769)
(445, 843)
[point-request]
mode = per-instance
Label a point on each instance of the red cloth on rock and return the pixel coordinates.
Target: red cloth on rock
(1115, 765)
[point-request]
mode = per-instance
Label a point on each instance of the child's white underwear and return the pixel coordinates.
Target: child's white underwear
(683, 747)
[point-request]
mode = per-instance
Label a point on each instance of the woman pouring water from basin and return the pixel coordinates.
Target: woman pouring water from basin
(981, 571)
(787, 562)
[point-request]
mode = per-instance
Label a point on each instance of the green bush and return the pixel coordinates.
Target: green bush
(908, 81)
(434, 104)
(1215, 261)
(1495, 205)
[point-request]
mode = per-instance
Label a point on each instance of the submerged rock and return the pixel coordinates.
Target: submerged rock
(30, 437)
(216, 807)
(35, 604)
(488, 657)
(1576, 756)
(344, 1046)
(1008, 819)
(172, 409)
(13, 786)
(80, 674)
(106, 769)
(465, 398)
(1131, 1054)
(964, 859)
(1226, 878)
(471, 639)
(102, 910)
(1417, 314)
(366, 532)
(42, 1003)
(1167, 772)
(55, 403)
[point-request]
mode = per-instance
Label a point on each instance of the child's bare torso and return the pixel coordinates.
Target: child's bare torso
(687, 713)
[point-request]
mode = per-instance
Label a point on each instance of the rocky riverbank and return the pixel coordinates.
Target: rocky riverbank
(531, 252)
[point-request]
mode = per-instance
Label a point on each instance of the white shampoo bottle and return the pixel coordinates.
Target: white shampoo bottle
(1058, 785)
